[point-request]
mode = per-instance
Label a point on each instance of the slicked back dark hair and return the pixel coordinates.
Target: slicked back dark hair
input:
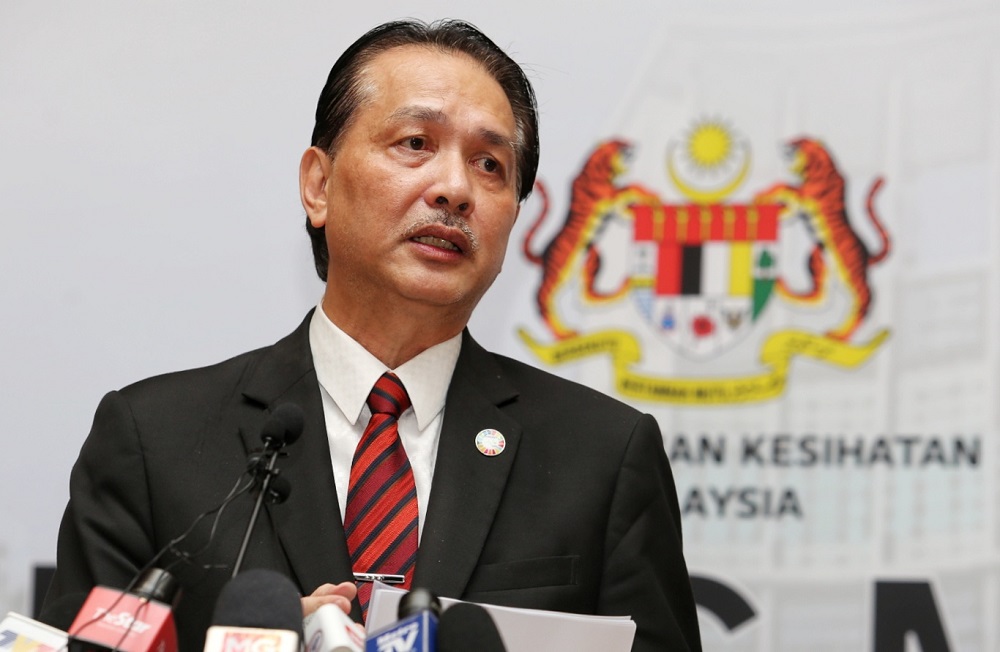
(345, 91)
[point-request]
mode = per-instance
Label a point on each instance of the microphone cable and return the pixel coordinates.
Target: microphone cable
(171, 546)
(283, 427)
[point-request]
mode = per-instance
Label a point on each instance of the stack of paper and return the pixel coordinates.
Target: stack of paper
(526, 630)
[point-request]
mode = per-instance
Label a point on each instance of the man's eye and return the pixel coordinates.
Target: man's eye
(416, 142)
(490, 165)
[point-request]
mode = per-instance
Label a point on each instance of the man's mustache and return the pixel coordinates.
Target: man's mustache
(446, 218)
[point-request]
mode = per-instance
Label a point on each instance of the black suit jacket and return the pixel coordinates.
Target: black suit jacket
(579, 513)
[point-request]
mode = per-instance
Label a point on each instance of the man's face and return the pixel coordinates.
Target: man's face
(421, 191)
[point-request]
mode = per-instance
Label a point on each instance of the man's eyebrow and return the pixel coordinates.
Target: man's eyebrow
(420, 113)
(427, 114)
(494, 138)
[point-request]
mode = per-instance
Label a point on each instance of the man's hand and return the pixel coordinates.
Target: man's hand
(338, 594)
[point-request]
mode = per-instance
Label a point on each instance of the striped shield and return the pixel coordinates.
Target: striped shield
(703, 273)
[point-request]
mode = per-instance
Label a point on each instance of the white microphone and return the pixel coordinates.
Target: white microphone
(329, 629)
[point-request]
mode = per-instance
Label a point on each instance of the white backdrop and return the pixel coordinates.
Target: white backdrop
(151, 222)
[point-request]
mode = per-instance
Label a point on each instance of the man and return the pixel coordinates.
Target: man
(545, 494)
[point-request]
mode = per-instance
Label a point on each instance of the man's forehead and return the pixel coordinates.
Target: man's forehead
(405, 81)
(392, 66)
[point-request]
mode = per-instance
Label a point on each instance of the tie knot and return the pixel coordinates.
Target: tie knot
(388, 396)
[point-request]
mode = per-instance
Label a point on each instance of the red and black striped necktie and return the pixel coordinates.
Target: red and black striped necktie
(381, 516)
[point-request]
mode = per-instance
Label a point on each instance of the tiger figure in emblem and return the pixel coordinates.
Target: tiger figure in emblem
(594, 199)
(819, 200)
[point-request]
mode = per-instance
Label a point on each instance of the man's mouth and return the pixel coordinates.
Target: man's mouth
(437, 242)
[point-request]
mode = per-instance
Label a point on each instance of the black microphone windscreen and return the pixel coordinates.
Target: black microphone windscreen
(284, 425)
(465, 626)
(278, 490)
(417, 600)
(158, 584)
(259, 598)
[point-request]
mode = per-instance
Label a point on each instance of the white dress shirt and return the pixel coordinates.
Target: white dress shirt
(347, 372)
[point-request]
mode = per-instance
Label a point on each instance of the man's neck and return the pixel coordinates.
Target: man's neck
(393, 334)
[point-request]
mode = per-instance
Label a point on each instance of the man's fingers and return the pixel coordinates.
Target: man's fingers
(338, 594)
(346, 589)
(312, 603)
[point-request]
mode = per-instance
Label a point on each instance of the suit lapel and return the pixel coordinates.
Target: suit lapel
(308, 524)
(465, 492)
(467, 485)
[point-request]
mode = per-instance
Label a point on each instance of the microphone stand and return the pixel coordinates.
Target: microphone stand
(282, 427)
(269, 472)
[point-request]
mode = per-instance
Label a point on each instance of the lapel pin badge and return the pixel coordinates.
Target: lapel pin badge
(490, 442)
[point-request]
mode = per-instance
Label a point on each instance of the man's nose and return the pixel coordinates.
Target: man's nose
(452, 186)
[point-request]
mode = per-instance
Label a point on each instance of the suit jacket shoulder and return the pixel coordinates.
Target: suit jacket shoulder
(164, 453)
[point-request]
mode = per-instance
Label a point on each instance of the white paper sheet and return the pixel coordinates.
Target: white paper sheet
(526, 630)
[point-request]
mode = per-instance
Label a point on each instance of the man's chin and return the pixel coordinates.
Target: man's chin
(441, 297)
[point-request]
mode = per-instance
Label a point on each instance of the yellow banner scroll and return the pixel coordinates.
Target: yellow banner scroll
(776, 356)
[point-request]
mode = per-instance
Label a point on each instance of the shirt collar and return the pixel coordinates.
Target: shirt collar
(347, 371)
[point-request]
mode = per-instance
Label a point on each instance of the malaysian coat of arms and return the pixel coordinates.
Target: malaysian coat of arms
(703, 271)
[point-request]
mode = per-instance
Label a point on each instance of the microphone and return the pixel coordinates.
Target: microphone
(279, 490)
(256, 610)
(416, 629)
(465, 627)
(283, 427)
(329, 629)
(19, 632)
(137, 620)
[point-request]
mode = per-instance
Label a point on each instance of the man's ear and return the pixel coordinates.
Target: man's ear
(314, 172)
